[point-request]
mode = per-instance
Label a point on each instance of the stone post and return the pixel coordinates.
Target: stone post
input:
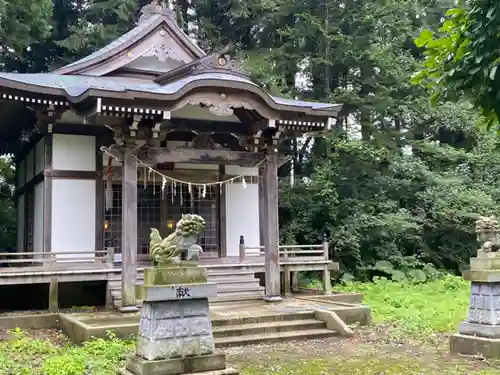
(480, 333)
(175, 332)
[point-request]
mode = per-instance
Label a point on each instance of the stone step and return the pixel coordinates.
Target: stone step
(266, 318)
(222, 294)
(244, 298)
(240, 293)
(267, 328)
(219, 281)
(223, 342)
(236, 272)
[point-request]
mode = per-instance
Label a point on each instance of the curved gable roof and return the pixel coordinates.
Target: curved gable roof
(134, 36)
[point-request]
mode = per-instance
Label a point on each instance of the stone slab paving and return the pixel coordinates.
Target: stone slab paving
(289, 305)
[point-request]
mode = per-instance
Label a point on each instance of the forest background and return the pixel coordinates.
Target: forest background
(399, 182)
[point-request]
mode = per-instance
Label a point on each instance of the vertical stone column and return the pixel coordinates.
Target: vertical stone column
(175, 331)
(480, 332)
(129, 230)
(271, 225)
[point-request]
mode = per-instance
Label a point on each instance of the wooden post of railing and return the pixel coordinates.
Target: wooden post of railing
(243, 249)
(327, 282)
(287, 275)
(53, 286)
(111, 256)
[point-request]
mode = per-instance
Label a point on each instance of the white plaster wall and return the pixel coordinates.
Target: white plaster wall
(30, 159)
(20, 224)
(242, 216)
(236, 170)
(21, 174)
(38, 219)
(73, 216)
(40, 156)
(73, 152)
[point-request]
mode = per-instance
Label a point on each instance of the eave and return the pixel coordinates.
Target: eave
(154, 95)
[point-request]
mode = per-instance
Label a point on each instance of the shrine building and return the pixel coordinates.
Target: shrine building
(139, 132)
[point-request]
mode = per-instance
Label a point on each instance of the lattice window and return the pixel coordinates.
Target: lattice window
(113, 221)
(182, 201)
(149, 214)
(30, 220)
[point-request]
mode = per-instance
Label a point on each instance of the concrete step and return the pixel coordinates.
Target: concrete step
(267, 328)
(222, 342)
(266, 318)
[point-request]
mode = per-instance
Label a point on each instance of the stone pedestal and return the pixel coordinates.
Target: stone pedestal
(175, 332)
(480, 333)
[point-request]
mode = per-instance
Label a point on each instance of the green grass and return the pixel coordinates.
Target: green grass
(23, 355)
(415, 311)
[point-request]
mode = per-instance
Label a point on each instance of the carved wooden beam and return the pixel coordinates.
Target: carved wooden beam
(222, 157)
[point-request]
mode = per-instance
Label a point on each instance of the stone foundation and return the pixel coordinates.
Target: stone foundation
(474, 345)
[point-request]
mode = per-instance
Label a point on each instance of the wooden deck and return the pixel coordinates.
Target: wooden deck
(33, 268)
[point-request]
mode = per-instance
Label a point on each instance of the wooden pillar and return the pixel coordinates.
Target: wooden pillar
(272, 265)
(221, 222)
(129, 230)
(99, 196)
(47, 195)
(327, 283)
(262, 207)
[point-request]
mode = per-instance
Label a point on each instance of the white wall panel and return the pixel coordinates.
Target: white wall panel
(73, 216)
(73, 152)
(236, 170)
(242, 216)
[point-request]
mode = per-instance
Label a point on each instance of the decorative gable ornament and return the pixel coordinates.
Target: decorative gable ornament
(156, 7)
(222, 60)
(162, 53)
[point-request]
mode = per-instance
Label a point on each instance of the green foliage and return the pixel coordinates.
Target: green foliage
(417, 310)
(462, 56)
(382, 205)
(7, 209)
(23, 355)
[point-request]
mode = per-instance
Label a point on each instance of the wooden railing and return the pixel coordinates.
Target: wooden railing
(286, 251)
(54, 260)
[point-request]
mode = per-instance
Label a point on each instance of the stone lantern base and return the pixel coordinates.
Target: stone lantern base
(480, 333)
(175, 331)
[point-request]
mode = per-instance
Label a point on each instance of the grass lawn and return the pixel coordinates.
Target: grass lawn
(409, 337)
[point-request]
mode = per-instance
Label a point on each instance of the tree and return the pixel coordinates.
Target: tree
(23, 26)
(462, 56)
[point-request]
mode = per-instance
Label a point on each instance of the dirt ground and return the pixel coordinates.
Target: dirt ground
(371, 345)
